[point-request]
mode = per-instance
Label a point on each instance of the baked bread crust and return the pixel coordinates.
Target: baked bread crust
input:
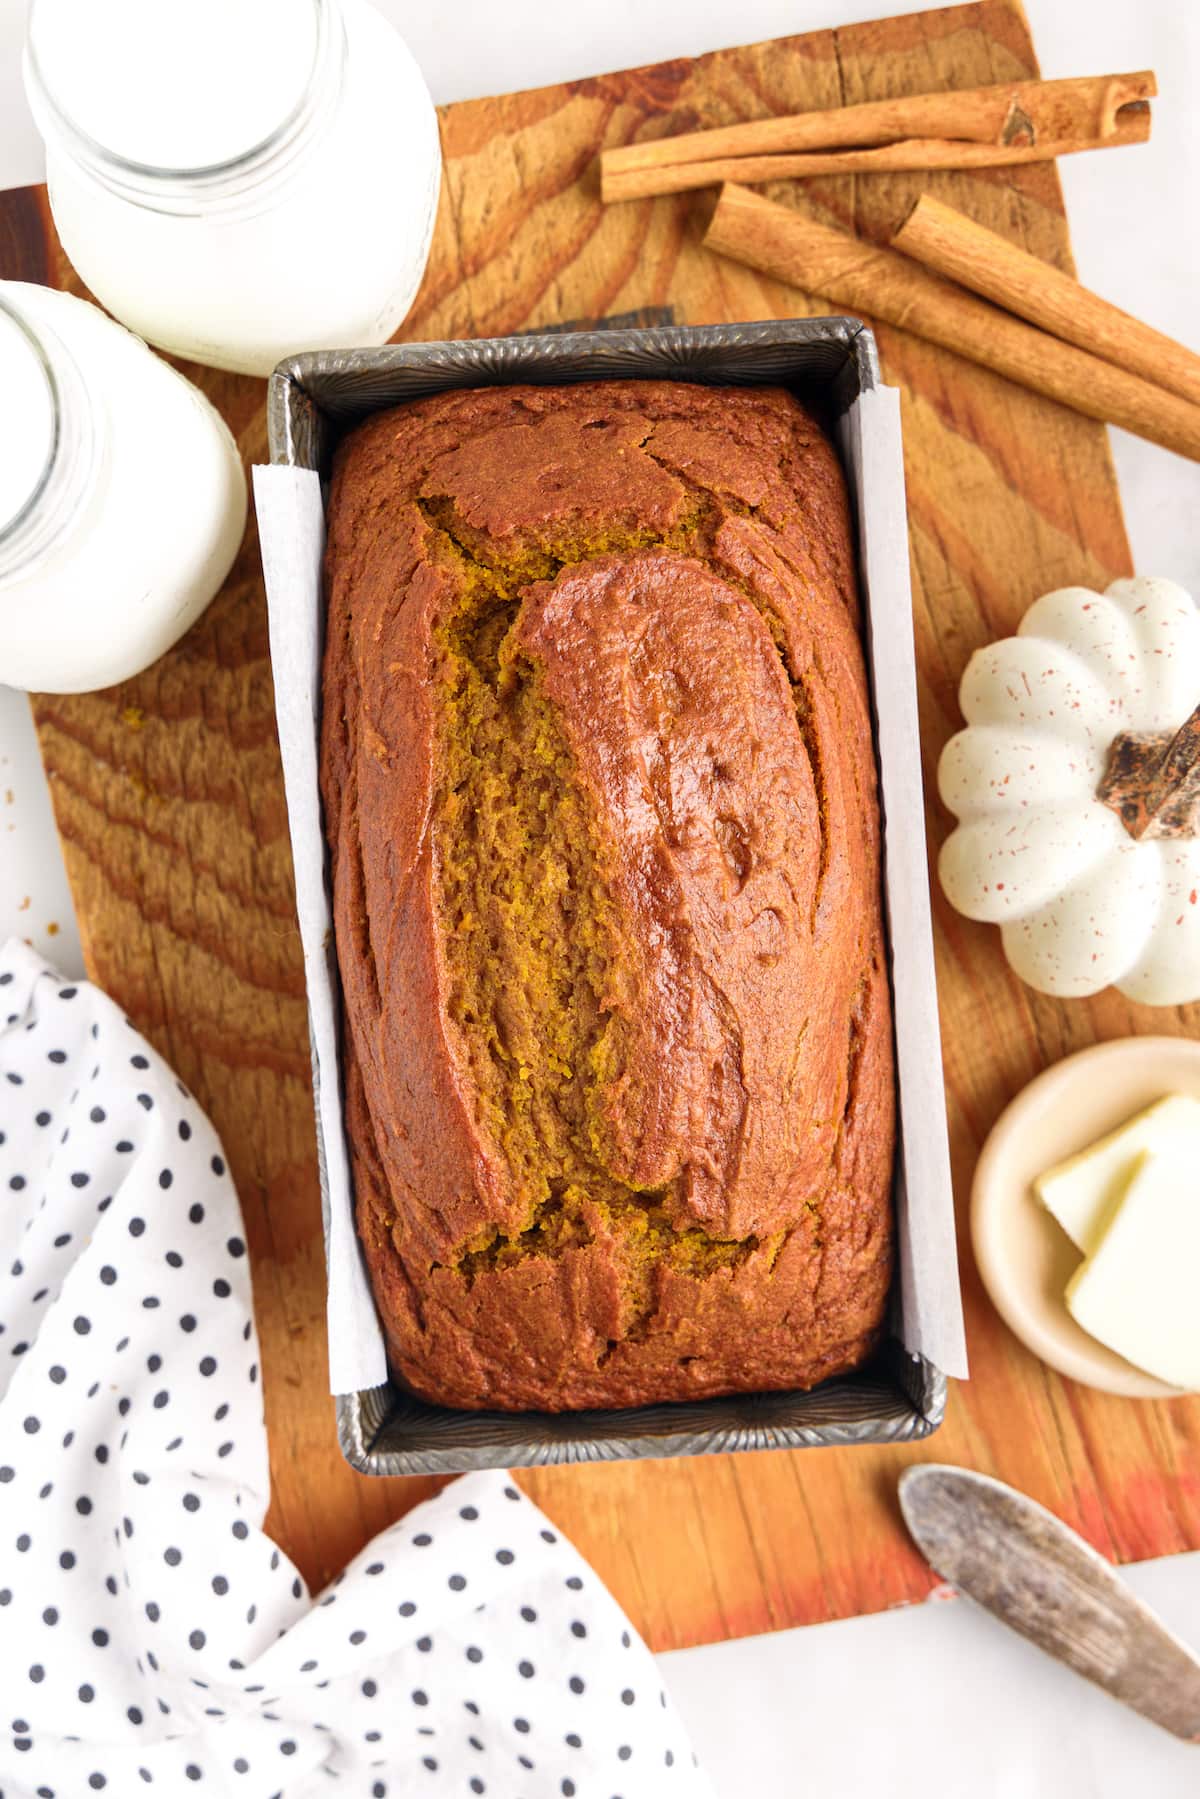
(600, 793)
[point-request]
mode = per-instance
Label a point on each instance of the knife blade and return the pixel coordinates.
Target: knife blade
(1040, 1578)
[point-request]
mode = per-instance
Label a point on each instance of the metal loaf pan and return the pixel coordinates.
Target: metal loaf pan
(901, 1396)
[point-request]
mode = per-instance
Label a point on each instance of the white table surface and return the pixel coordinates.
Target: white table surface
(843, 1709)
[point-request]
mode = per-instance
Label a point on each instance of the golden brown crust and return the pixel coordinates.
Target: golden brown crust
(600, 794)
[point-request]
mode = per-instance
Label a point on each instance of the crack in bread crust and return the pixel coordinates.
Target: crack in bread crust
(598, 645)
(523, 894)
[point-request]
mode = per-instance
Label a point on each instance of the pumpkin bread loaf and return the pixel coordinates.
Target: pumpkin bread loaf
(600, 793)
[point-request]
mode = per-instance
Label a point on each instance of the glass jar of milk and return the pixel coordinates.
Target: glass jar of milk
(237, 179)
(122, 497)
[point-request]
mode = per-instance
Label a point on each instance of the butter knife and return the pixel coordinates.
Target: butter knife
(1041, 1579)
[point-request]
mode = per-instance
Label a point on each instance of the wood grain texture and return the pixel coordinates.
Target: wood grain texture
(169, 800)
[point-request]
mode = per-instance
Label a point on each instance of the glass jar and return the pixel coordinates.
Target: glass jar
(237, 180)
(122, 497)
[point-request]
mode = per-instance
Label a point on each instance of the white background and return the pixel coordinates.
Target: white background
(842, 1709)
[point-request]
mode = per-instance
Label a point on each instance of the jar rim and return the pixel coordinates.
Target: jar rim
(11, 527)
(68, 471)
(179, 190)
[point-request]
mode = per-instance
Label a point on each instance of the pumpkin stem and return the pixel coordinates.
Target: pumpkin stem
(1153, 781)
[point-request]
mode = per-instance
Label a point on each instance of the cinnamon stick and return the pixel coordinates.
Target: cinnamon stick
(911, 155)
(1087, 110)
(883, 284)
(956, 246)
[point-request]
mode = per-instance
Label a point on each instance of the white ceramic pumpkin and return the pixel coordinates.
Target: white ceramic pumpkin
(1081, 901)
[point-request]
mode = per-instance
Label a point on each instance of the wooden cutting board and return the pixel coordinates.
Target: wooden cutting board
(170, 803)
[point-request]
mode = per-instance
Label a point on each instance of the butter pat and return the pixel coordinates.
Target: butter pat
(1138, 1291)
(1083, 1191)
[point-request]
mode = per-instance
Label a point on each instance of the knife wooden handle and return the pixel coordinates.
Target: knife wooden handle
(1037, 1576)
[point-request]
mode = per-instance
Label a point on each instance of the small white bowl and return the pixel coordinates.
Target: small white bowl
(1024, 1256)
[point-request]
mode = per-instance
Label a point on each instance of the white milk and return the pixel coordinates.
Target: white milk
(128, 524)
(237, 179)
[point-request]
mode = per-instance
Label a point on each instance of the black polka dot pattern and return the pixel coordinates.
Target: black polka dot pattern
(153, 1638)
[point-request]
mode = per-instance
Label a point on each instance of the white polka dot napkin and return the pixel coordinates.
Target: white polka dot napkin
(151, 1637)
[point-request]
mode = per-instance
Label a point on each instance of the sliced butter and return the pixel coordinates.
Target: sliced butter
(1082, 1191)
(1139, 1292)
